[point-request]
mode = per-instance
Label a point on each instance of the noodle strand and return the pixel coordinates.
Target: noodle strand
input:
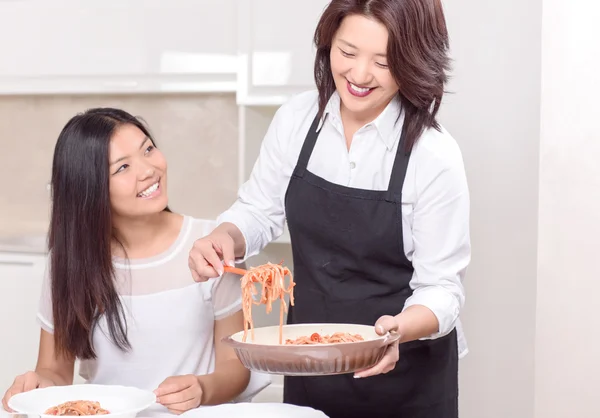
(272, 279)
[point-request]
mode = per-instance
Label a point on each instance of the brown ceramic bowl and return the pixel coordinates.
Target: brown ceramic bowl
(264, 354)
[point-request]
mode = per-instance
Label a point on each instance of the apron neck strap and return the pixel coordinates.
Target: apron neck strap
(399, 169)
(307, 147)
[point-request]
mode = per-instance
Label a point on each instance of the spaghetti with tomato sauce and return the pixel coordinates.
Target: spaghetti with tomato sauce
(316, 338)
(271, 277)
(77, 408)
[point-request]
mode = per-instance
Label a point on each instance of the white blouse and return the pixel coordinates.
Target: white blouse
(170, 319)
(435, 195)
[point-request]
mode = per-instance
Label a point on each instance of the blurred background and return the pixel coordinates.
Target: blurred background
(208, 75)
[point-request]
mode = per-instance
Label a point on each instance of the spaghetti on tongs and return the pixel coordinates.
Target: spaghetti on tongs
(272, 279)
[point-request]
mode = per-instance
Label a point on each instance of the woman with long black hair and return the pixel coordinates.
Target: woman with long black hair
(118, 294)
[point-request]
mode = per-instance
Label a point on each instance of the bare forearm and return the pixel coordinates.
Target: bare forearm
(228, 381)
(416, 322)
(238, 239)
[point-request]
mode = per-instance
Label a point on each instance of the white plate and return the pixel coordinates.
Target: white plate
(120, 401)
(254, 410)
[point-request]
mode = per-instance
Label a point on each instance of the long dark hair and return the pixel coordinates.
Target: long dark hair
(417, 55)
(81, 233)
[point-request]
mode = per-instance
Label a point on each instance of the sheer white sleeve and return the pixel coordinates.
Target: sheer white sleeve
(227, 295)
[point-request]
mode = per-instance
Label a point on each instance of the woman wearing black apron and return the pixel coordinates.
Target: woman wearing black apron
(377, 205)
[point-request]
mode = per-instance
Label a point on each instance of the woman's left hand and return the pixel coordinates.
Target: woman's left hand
(388, 362)
(180, 393)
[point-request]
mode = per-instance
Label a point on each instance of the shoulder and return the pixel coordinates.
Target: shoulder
(198, 227)
(436, 165)
(438, 148)
(299, 108)
(302, 102)
(290, 123)
(195, 228)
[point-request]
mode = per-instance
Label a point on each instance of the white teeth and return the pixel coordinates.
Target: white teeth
(149, 190)
(359, 89)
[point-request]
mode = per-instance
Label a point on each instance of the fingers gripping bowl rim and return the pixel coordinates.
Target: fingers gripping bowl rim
(264, 354)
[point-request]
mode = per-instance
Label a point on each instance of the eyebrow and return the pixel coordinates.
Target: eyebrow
(355, 47)
(146, 139)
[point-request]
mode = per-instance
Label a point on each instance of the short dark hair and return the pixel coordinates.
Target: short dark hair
(417, 54)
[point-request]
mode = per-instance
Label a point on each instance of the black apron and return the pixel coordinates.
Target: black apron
(350, 267)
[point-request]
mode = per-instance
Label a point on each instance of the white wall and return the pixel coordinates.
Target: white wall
(567, 378)
(493, 112)
(525, 113)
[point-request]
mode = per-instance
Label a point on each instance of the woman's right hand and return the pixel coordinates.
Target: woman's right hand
(208, 253)
(25, 383)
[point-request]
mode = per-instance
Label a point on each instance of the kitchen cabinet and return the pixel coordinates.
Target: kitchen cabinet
(116, 46)
(21, 278)
(260, 49)
(276, 49)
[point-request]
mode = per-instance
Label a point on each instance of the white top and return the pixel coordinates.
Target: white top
(170, 319)
(435, 195)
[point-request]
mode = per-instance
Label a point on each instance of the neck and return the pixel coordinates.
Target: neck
(357, 119)
(141, 236)
(353, 121)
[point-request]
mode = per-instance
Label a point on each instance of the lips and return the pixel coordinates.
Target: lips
(150, 191)
(358, 91)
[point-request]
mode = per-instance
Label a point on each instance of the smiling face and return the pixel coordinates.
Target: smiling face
(360, 68)
(138, 174)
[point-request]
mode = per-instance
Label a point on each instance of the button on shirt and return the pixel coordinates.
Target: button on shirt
(435, 196)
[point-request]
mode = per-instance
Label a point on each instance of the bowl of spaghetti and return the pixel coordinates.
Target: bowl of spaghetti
(300, 349)
(83, 400)
(311, 349)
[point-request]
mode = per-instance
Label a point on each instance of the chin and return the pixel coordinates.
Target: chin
(161, 205)
(365, 109)
(150, 208)
(357, 107)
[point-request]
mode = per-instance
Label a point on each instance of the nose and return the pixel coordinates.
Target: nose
(361, 73)
(147, 171)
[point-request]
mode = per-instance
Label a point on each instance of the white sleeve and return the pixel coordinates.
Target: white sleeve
(440, 232)
(259, 209)
(227, 295)
(44, 315)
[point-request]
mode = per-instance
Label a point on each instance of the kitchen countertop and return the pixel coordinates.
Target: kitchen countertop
(27, 244)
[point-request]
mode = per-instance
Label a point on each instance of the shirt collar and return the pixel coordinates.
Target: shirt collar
(388, 124)
(332, 109)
